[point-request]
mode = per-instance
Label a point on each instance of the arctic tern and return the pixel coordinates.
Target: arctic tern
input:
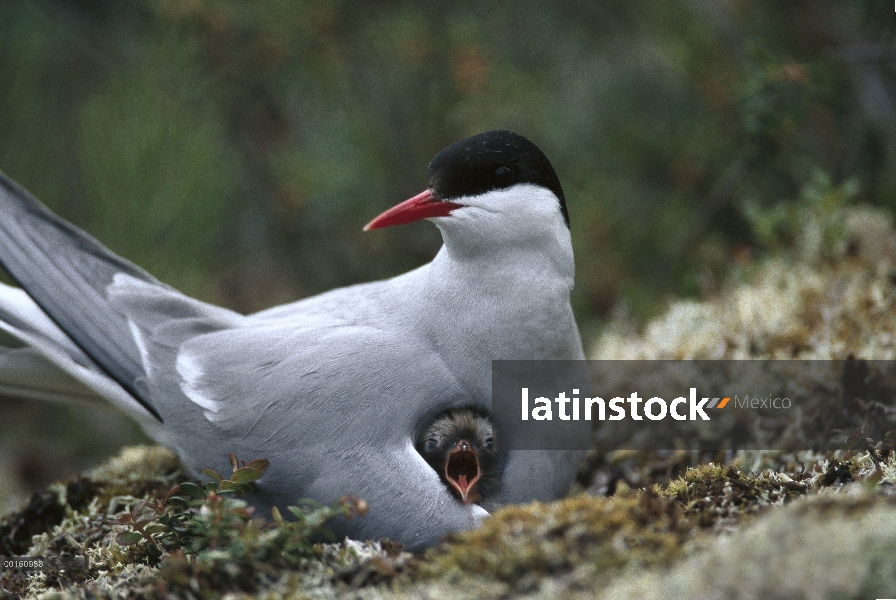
(340, 391)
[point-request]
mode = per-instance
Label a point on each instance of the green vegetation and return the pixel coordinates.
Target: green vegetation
(715, 530)
(190, 538)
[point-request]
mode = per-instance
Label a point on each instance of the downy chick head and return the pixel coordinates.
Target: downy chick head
(459, 446)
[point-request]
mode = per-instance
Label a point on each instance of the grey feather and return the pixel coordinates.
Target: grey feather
(63, 267)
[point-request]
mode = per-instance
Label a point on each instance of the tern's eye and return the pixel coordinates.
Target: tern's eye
(503, 176)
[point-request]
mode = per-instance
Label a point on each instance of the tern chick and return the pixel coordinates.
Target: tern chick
(459, 446)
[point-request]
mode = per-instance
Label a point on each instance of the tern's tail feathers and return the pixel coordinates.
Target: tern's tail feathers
(38, 361)
(27, 374)
(102, 309)
(67, 272)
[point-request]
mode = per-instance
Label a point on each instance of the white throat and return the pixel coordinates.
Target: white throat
(501, 284)
(520, 229)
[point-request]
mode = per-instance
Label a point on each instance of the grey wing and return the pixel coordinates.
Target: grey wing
(303, 376)
(72, 277)
(331, 405)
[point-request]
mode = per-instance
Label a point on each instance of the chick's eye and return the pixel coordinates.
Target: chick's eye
(489, 442)
(503, 176)
(432, 444)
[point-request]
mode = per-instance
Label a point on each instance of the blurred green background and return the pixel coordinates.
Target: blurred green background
(235, 148)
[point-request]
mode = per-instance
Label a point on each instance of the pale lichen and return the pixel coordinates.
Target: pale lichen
(827, 546)
(790, 307)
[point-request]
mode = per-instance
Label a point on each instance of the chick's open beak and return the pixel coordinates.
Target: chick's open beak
(462, 470)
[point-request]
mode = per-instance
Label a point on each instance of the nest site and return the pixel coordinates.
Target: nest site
(637, 524)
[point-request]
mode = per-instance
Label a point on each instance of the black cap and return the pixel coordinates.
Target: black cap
(490, 161)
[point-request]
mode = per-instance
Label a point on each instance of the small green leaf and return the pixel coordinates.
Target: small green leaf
(245, 475)
(259, 464)
(154, 528)
(128, 538)
(192, 490)
(316, 519)
(213, 473)
(278, 518)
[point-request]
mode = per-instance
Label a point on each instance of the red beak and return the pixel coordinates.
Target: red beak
(421, 206)
(462, 470)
